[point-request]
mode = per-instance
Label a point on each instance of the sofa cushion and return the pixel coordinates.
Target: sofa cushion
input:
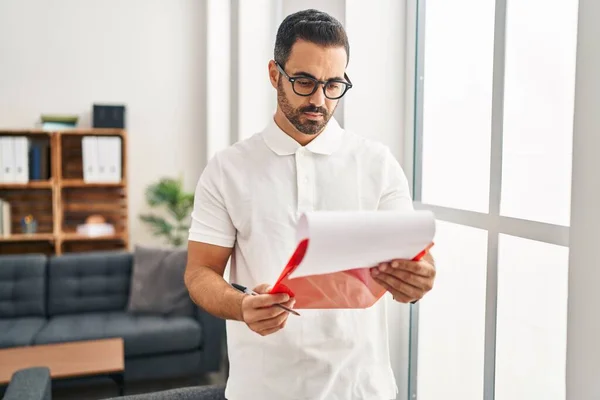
(22, 285)
(204, 392)
(88, 282)
(19, 331)
(157, 285)
(142, 334)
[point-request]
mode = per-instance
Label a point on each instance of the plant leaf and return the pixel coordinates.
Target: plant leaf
(159, 225)
(178, 204)
(165, 192)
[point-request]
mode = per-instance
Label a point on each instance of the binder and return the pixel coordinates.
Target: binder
(1, 162)
(109, 159)
(103, 151)
(113, 147)
(35, 164)
(8, 158)
(89, 149)
(21, 159)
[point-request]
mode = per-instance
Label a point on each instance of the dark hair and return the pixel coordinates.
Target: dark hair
(313, 26)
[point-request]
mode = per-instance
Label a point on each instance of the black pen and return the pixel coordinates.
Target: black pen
(250, 292)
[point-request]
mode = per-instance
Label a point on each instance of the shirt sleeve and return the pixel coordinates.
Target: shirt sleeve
(211, 222)
(396, 192)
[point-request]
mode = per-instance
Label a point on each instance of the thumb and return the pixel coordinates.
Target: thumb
(266, 299)
(263, 288)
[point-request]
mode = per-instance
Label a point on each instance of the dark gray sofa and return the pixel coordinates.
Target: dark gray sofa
(84, 296)
(35, 384)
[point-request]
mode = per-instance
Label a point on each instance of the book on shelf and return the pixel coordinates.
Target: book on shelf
(39, 160)
(23, 159)
(58, 122)
(57, 126)
(5, 218)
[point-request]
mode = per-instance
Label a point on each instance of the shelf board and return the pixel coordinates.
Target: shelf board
(80, 183)
(22, 237)
(76, 131)
(26, 132)
(75, 237)
(94, 132)
(28, 185)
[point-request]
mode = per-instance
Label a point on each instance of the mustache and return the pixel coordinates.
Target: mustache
(314, 109)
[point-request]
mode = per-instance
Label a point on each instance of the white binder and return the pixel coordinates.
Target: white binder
(89, 149)
(8, 159)
(109, 159)
(114, 157)
(21, 158)
(1, 162)
(102, 160)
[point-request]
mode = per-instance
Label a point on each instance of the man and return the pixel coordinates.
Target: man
(246, 206)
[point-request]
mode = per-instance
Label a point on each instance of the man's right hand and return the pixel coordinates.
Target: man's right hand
(260, 315)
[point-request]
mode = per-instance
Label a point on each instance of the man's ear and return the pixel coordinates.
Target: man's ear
(273, 73)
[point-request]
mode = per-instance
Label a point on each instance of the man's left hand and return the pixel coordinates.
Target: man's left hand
(407, 281)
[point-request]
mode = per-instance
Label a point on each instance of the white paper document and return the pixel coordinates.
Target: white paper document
(341, 240)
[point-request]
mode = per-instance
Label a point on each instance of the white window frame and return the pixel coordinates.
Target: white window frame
(494, 223)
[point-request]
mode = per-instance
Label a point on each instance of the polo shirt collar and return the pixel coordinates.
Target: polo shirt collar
(282, 144)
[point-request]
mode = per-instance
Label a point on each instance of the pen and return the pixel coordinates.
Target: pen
(244, 289)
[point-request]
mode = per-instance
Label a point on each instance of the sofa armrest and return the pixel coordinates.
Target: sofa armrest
(213, 340)
(213, 392)
(30, 384)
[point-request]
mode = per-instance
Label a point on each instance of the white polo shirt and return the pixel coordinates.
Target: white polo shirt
(249, 197)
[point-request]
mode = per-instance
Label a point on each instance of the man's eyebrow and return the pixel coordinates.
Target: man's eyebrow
(302, 73)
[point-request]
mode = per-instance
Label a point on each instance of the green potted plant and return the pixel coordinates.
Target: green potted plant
(177, 204)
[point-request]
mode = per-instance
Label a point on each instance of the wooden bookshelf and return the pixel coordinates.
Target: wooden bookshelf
(79, 183)
(64, 200)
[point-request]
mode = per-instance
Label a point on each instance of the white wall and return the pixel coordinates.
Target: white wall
(583, 331)
(256, 99)
(375, 105)
(218, 62)
(336, 8)
(375, 108)
(64, 55)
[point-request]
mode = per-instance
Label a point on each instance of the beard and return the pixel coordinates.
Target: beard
(296, 115)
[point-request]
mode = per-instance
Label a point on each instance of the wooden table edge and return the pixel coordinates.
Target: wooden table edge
(90, 342)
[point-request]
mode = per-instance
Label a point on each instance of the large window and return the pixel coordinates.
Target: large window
(494, 106)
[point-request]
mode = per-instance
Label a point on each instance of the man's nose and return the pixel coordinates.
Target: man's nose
(318, 97)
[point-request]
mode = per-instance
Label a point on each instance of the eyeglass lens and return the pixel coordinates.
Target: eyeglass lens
(306, 86)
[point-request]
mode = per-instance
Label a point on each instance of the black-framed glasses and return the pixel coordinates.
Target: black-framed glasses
(333, 89)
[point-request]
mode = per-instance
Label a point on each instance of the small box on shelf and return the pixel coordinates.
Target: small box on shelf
(95, 226)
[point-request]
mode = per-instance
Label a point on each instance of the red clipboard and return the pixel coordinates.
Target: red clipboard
(352, 288)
